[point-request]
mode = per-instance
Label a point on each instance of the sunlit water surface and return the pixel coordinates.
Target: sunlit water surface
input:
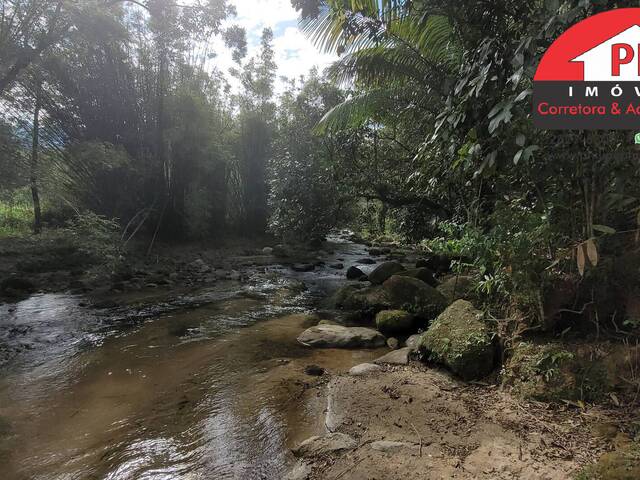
(211, 392)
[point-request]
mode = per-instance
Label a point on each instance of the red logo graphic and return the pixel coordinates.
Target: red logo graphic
(590, 76)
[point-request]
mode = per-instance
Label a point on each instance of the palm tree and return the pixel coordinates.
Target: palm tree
(397, 55)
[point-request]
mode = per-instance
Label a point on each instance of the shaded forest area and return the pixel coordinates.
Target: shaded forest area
(117, 130)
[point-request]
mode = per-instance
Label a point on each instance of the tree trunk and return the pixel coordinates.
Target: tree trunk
(37, 216)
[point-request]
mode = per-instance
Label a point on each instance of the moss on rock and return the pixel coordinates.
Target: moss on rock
(369, 300)
(423, 274)
(460, 340)
(457, 288)
(620, 464)
(414, 296)
(554, 372)
(391, 322)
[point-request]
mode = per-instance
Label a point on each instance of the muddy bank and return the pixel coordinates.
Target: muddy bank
(418, 423)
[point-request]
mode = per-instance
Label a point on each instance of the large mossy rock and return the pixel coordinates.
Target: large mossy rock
(383, 271)
(461, 340)
(337, 336)
(424, 274)
(392, 322)
(554, 372)
(414, 296)
(367, 300)
(457, 288)
(621, 464)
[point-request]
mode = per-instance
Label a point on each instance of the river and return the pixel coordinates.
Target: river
(210, 386)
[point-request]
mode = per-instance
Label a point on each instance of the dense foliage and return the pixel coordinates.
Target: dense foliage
(420, 130)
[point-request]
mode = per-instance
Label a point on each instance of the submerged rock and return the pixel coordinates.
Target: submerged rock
(337, 336)
(460, 340)
(364, 369)
(354, 273)
(329, 443)
(303, 267)
(314, 370)
(366, 261)
(414, 296)
(337, 266)
(383, 271)
(392, 322)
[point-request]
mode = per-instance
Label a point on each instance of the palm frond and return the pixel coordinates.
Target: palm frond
(358, 110)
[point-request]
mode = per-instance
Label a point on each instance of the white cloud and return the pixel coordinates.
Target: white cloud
(295, 54)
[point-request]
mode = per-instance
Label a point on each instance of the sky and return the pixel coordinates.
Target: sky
(295, 54)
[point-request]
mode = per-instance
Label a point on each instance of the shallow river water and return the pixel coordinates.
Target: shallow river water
(216, 391)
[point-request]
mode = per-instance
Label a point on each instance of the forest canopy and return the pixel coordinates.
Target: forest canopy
(420, 131)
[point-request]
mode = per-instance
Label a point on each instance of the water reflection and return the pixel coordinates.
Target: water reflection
(212, 392)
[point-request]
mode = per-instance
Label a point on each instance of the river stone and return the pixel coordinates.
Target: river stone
(364, 369)
(460, 340)
(267, 251)
(383, 271)
(302, 471)
(17, 284)
(397, 357)
(337, 336)
(366, 261)
(412, 342)
(436, 263)
(414, 296)
(329, 443)
(198, 266)
(392, 322)
(393, 343)
(424, 274)
(303, 267)
(368, 300)
(389, 446)
(337, 266)
(354, 273)
(456, 288)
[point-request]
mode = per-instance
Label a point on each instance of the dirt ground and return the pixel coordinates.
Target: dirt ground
(447, 429)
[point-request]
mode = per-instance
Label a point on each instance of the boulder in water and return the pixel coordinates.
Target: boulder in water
(414, 296)
(383, 271)
(391, 322)
(354, 273)
(337, 336)
(303, 267)
(366, 261)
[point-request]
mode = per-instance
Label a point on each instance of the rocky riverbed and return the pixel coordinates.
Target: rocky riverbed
(262, 361)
